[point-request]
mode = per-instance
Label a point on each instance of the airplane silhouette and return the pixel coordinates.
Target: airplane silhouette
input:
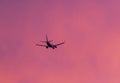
(49, 44)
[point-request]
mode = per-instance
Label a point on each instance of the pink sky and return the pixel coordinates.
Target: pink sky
(91, 30)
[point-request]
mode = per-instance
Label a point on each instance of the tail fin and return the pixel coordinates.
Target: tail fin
(46, 40)
(46, 37)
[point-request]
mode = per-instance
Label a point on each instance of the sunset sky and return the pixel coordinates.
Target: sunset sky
(90, 29)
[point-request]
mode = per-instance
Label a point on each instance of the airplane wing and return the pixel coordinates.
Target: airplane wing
(59, 44)
(40, 45)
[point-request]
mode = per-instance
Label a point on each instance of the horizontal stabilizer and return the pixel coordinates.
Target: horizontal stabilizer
(50, 40)
(46, 41)
(43, 41)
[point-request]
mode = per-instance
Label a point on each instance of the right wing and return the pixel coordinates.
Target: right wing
(60, 44)
(40, 45)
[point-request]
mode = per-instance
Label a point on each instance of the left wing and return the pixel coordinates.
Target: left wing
(40, 45)
(59, 44)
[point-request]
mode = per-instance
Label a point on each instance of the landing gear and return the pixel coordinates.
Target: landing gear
(46, 46)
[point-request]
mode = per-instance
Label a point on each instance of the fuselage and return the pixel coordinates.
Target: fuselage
(50, 45)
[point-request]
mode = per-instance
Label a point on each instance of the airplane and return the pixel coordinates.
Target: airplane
(49, 44)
